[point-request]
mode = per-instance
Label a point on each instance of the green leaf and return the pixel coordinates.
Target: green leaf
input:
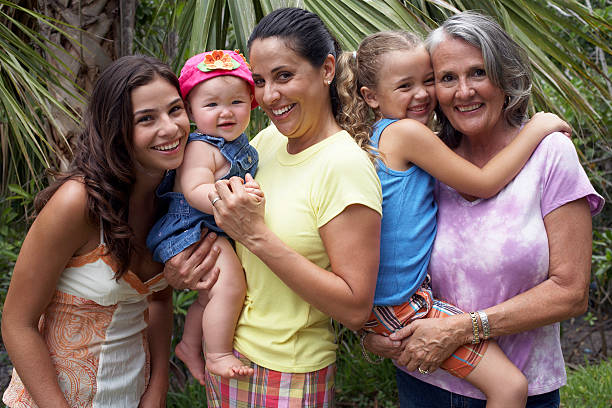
(243, 18)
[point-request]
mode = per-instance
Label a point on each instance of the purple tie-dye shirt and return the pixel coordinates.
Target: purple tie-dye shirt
(487, 251)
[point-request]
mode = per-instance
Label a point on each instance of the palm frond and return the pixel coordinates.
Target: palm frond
(29, 109)
(545, 29)
(558, 35)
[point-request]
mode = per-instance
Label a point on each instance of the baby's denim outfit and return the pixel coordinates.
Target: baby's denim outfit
(182, 224)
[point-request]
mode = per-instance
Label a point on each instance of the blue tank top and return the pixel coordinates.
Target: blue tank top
(408, 228)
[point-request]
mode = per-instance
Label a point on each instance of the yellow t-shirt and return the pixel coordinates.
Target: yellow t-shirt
(277, 328)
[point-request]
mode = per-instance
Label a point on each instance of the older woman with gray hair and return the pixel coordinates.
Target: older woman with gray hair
(520, 261)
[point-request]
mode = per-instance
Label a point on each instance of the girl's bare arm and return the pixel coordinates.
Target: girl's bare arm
(408, 141)
(196, 176)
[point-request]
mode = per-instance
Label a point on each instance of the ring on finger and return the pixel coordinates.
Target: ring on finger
(217, 198)
(423, 371)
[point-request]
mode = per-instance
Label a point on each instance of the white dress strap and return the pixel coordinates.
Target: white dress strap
(101, 232)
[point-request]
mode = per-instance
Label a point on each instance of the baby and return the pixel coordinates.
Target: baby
(217, 87)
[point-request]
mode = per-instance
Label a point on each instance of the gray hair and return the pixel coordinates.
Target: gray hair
(505, 63)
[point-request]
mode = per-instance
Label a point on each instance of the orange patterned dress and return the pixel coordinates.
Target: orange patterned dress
(95, 329)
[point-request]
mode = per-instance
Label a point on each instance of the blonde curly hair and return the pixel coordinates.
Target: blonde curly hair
(355, 70)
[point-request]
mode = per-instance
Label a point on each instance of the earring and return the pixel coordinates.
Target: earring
(328, 82)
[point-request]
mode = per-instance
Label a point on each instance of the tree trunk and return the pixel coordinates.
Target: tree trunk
(101, 31)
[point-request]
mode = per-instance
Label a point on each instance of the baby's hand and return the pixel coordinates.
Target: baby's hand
(547, 123)
(252, 187)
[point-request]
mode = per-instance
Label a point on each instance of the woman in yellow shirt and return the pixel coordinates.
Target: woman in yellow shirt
(310, 251)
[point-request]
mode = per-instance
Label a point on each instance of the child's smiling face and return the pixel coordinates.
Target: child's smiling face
(221, 106)
(405, 88)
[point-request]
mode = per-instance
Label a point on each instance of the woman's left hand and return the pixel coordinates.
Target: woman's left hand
(237, 211)
(429, 342)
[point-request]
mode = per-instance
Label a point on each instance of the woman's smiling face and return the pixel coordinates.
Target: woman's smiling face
(291, 91)
(160, 125)
(468, 98)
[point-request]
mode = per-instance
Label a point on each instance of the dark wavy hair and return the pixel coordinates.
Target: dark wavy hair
(103, 155)
(305, 33)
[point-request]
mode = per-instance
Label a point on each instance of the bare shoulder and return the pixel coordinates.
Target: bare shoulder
(69, 199)
(409, 129)
(201, 154)
(61, 230)
(66, 211)
(403, 141)
(200, 146)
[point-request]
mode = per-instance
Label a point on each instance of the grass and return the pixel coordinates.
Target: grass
(589, 386)
(194, 396)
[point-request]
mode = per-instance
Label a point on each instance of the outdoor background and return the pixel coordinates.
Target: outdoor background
(51, 52)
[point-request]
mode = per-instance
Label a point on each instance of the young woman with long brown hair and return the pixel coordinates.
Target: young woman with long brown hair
(88, 315)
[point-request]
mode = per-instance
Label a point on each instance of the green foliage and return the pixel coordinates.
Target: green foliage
(181, 300)
(600, 293)
(595, 151)
(360, 383)
(589, 386)
(602, 256)
(193, 396)
(151, 20)
(28, 107)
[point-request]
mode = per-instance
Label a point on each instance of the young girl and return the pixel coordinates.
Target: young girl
(391, 79)
(88, 315)
(218, 89)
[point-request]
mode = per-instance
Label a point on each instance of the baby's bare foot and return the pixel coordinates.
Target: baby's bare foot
(226, 365)
(192, 357)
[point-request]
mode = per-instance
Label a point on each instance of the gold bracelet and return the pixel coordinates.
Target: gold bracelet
(486, 329)
(362, 337)
(476, 338)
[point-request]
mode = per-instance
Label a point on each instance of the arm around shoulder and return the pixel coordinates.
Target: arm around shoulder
(419, 145)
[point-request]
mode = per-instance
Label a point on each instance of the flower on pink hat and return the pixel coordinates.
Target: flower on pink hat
(218, 60)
